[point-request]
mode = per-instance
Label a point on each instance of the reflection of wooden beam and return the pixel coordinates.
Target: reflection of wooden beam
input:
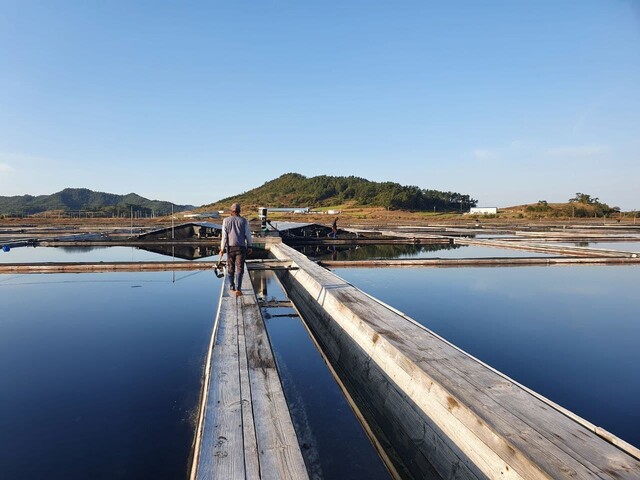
(275, 303)
(268, 264)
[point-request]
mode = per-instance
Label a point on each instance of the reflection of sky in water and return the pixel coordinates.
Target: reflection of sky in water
(79, 254)
(106, 362)
(324, 421)
(570, 333)
(97, 254)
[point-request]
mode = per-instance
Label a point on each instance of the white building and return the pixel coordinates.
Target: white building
(203, 215)
(483, 210)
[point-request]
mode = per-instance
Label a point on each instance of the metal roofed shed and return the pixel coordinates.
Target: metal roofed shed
(184, 231)
(297, 229)
(287, 209)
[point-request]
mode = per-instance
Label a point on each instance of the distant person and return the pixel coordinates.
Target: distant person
(236, 237)
(334, 228)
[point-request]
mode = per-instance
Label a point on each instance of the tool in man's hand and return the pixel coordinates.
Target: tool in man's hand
(219, 269)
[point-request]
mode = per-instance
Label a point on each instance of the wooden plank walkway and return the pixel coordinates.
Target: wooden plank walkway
(436, 409)
(245, 429)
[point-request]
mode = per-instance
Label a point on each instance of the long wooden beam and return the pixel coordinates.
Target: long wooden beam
(87, 267)
(479, 262)
(97, 267)
(367, 241)
(436, 409)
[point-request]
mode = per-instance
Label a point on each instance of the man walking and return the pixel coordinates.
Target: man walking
(236, 237)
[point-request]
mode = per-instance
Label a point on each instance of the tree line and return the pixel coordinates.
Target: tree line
(82, 199)
(582, 205)
(293, 189)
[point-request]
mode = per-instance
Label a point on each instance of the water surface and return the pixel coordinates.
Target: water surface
(157, 253)
(334, 443)
(79, 254)
(101, 373)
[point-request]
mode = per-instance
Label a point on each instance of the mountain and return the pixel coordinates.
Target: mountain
(295, 190)
(74, 199)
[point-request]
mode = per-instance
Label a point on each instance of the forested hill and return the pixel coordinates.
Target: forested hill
(74, 199)
(293, 189)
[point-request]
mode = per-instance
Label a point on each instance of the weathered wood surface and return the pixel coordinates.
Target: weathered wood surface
(245, 428)
(480, 262)
(222, 444)
(83, 267)
(414, 234)
(364, 241)
(144, 266)
(434, 406)
(546, 248)
(278, 448)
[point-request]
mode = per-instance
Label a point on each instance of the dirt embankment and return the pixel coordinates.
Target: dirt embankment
(348, 217)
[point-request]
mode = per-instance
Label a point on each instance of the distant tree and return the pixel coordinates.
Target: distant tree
(541, 206)
(584, 198)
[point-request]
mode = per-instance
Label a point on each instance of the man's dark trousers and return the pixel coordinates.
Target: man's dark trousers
(235, 263)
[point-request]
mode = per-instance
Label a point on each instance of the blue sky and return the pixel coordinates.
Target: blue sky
(510, 102)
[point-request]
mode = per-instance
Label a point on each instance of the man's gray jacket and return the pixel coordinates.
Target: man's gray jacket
(235, 232)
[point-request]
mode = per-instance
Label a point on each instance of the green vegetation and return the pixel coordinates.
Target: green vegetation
(293, 189)
(82, 199)
(582, 205)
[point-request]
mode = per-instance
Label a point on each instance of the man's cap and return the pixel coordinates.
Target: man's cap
(235, 207)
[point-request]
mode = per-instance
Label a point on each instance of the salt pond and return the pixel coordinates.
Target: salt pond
(335, 445)
(101, 372)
